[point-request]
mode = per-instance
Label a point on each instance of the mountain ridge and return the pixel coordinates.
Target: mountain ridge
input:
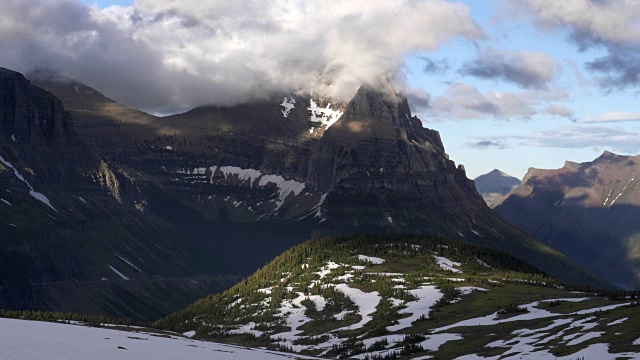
(585, 210)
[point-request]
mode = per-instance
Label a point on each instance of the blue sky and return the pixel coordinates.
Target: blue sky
(518, 152)
(508, 84)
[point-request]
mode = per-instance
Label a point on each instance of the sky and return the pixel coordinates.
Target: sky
(508, 84)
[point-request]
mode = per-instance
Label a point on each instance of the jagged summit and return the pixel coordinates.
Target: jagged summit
(608, 156)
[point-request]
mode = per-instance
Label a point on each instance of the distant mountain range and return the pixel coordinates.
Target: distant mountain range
(588, 211)
(495, 185)
(109, 210)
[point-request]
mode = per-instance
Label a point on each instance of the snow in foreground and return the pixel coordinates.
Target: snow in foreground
(34, 340)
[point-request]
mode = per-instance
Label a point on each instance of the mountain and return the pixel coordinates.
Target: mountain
(495, 185)
(393, 296)
(300, 162)
(588, 211)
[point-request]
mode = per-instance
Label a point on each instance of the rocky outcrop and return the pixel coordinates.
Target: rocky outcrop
(588, 211)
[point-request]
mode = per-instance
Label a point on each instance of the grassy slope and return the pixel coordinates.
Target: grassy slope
(252, 317)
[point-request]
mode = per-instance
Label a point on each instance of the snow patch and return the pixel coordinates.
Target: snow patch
(371, 259)
(448, 265)
(128, 262)
(287, 105)
(118, 273)
(366, 303)
(38, 196)
(585, 337)
(6, 202)
(325, 116)
(619, 321)
(427, 297)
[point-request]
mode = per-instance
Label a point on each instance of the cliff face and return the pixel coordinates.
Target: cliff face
(385, 172)
(375, 141)
(588, 211)
(30, 114)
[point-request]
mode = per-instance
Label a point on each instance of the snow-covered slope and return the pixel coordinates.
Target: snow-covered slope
(34, 340)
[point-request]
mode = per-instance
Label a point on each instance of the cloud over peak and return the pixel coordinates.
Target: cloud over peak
(164, 53)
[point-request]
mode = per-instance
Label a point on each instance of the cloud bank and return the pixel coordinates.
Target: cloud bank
(165, 54)
(464, 101)
(578, 136)
(609, 24)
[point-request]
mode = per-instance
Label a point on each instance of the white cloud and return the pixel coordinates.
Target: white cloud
(614, 116)
(527, 69)
(578, 136)
(165, 53)
(612, 21)
(465, 101)
(609, 24)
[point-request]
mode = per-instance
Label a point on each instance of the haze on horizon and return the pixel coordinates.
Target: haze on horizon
(509, 85)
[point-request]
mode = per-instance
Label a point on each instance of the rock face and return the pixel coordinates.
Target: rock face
(303, 167)
(495, 185)
(386, 172)
(588, 211)
(30, 113)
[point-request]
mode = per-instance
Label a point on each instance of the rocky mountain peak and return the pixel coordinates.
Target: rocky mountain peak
(380, 103)
(494, 185)
(608, 156)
